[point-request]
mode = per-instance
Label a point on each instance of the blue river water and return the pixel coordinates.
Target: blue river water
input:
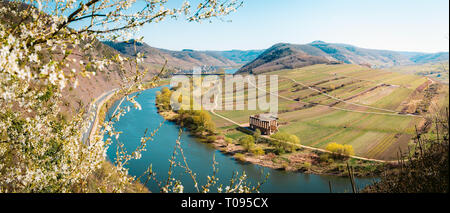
(200, 157)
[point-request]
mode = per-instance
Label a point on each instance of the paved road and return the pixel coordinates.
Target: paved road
(95, 106)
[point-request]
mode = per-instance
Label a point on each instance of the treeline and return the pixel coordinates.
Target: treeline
(340, 149)
(197, 121)
(281, 142)
(163, 99)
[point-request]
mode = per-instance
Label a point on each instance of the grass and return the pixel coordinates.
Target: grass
(437, 71)
(319, 125)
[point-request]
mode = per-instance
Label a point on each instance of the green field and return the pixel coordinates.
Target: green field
(437, 71)
(372, 135)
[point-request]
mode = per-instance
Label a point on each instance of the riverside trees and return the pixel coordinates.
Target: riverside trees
(339, 149)
(285, 142)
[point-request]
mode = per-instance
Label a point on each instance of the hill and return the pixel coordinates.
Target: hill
(240, 57)
(286, 56)
(185, 59)
(88, 88)
(289, 56)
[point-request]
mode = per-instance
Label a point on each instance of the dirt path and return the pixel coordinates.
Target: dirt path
(337, 108)
(344, 101)
(303, 146)
(306, 147)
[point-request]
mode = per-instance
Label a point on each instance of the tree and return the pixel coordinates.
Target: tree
(339, 149)
(228, 140)
(257, 151)
(39, 152)
(284, 136)
(348, 150)
(257, 135)
(163, 99)
(285, 142)
(248, 142)
(165, 90)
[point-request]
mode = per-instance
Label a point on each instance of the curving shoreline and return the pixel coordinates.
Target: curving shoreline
(267, 160)
(200, 156)
(305, 161)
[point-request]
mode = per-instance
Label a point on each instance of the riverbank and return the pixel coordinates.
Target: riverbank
(117, 96)
(201, 156)
(301, 160)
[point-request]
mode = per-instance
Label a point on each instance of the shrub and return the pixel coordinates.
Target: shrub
(257, 135)
(258, 151)
(239, 156)
(283, 136)
(198, 121)
(307, 165)
(165, 90)
(279, 150)
(228, 140)
(324, 157)
(339, 149)
(248, 142)
(348, 150)
(211, 139)
(284, 142)
(285, 164)
(163, 99)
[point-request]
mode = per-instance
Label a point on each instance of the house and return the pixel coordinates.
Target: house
(266, 123)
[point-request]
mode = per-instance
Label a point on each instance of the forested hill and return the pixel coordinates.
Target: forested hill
(288, 56)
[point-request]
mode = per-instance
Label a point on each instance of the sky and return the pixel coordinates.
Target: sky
(401, 25)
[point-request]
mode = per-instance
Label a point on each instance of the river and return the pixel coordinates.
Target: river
(200, 156)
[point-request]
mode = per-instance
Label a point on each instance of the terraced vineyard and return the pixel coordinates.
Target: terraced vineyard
(375, 111)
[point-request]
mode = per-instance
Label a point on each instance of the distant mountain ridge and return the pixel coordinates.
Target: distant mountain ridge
(279, 56)
(238, 56)
(289, 56)
(185, 59)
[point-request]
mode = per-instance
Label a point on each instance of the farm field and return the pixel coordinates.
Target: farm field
(375, 111)
(436, 71)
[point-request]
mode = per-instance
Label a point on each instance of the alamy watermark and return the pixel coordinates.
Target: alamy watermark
(199, 91)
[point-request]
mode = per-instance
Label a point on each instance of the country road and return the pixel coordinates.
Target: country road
(95, 107)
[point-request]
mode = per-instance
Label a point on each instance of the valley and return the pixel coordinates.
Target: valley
(373, 110)
(142, 96)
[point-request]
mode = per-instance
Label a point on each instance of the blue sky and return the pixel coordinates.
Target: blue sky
(406, 25)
